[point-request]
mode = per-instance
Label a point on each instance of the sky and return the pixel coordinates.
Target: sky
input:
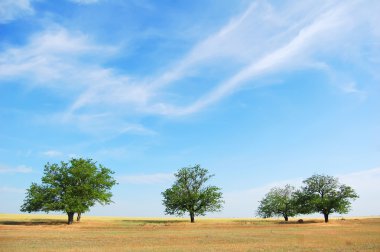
(261, 93)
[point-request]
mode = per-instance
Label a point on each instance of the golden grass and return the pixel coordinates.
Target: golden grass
(50, 233)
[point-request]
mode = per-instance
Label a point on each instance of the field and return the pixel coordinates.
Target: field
(50, 233)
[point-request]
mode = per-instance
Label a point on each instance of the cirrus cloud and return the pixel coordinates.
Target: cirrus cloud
(156, 178)
(13, 9)
(17, 169)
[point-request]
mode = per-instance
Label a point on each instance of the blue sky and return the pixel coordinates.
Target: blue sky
(261, 93)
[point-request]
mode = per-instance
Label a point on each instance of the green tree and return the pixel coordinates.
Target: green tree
(190, 194)
(324, 194)
(278, 202)
(71, 187)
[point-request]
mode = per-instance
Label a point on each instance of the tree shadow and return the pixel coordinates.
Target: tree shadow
(155, 221)
(272, 221)
(34, 222)
(255, 222)
(304, 222)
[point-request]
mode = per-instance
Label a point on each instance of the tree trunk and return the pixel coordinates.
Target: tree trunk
(326, 217)
(78, 216)
(70, 216)
(286, 217)
(192, 217)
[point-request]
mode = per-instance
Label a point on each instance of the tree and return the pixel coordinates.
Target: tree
(325, 195)
(71, 187)
(190, 194)
(278, 202)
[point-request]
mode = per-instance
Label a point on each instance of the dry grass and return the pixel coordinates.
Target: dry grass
(50, 233)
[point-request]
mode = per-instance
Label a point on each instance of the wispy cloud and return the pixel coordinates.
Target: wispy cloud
(156, 178)
(13, 9)
(351, 87)
(294, 53)
(6, 189)
(58, 59)
(261, 40)
(85, 1)
(285, 44)
(50, 58)
(17, 169)
(108, 125)
(52, 153)
(60, 154)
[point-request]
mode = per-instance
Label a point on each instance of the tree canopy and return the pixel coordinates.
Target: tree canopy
(278, 202)
(71, 187)
(324, 194)
(190, 194)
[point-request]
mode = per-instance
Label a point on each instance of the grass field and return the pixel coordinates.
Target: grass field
(50, 233)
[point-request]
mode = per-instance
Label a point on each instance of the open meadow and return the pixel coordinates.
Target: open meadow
(50, 233)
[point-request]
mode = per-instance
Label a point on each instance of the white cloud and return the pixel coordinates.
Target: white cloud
(17, 169)
(138, 129)
(106, 125)
(111, 90)
(6, 189)
(73, 155)
(262, 40)
(351, 87)
(52, 153)
(49, 57)
(215, 46)
(58, 59)
(59, 154)
(343, 82)
(156, 178)
(251, 35)
(84, 1)
(295, 53)
(303, 44)
(13, 9)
